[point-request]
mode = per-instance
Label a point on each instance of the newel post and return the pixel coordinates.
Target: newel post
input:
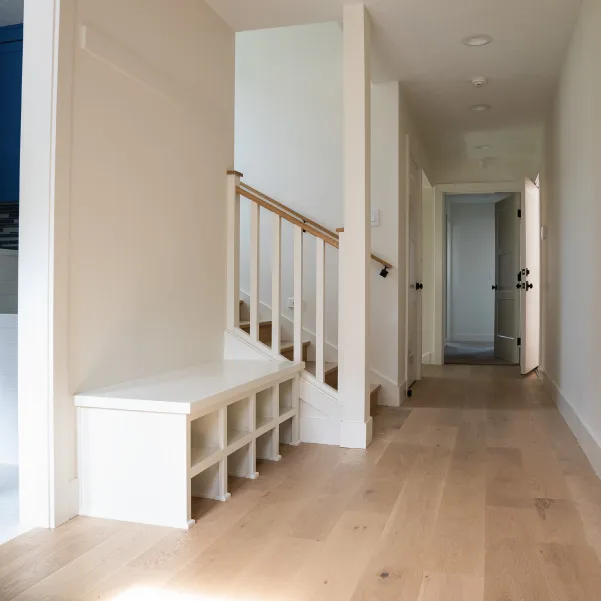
(355, 242)
(233, 250)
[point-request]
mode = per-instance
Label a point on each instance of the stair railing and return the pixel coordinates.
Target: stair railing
(301, 224)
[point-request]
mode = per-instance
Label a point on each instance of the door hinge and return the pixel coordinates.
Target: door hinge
(519, 212)
(519, 342)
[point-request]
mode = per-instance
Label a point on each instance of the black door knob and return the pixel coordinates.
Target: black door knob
(518, 286)
(529, 285)
(494, 287)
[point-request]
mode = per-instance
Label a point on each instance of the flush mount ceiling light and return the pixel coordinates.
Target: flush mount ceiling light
(481, 39)
(484, 147)
(479, 108)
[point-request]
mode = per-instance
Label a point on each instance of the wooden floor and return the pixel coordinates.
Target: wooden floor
(476, 489)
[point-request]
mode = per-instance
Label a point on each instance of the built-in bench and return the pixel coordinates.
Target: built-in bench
(146, 447)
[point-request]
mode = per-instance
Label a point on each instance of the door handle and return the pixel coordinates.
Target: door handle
(529, 286)
(419, 286)
(518, 286)
(494, 287)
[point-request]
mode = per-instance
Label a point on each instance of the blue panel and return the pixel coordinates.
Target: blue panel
(11, 67)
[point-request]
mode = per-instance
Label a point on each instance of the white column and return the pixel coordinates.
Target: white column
(355, 242)
(233, 250)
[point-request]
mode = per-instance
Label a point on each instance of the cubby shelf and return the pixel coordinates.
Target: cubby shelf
(190, 430)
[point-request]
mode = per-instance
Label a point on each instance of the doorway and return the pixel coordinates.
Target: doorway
(482, 263)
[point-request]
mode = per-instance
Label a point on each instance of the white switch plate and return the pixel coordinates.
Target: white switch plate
(375, 217)
(291, 303)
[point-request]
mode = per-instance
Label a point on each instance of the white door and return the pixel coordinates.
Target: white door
(507, 266)
(530, 260)
(414, 273)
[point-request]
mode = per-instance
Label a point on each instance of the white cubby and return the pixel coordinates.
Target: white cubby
(287, 432)
(212, 421)
(266, 407)
(206, 440)
(239, 422)
(268, 445)
(241, 463)
(286, 392)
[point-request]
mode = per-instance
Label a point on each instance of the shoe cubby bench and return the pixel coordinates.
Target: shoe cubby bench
(148, 446)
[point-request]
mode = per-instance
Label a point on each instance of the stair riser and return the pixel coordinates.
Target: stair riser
(264, 333)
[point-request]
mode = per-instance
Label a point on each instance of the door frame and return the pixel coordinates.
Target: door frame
(440, 250)
(409, 156)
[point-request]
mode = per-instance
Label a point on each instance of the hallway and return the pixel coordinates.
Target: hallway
(475, 489)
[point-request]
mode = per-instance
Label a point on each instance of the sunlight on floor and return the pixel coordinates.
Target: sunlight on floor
(153, 594)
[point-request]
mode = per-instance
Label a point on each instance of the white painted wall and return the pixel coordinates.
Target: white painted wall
(571, 212)
(125, 144)
(472, 271)
(289, 146)
(152, 139)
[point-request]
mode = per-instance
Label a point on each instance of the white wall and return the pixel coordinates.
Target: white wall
(127, 135)
(571, 211)
(289, 146)
(472, 271)
(152, 138)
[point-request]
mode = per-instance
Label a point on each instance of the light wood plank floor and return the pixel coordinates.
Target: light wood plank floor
(474, 490)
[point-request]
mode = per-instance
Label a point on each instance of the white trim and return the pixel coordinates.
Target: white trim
(355, 434)
(590, 443)
(427, 358)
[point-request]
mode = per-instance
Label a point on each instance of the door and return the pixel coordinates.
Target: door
(507, 266)
(530, 293)
(414, 273)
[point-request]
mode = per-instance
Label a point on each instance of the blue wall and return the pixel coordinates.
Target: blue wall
(11, 66)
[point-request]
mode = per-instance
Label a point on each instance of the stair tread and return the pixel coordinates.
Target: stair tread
(330, 367)
(246, 323)
(287, 345)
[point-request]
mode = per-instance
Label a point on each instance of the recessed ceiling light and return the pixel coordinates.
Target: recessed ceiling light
(477, 40)
(479, 108)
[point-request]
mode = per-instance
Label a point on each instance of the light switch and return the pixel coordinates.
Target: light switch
(375, 217)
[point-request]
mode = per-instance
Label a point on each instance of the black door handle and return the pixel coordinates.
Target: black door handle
(419, 286)
(529, 286)
(494, 287)
(518, 286)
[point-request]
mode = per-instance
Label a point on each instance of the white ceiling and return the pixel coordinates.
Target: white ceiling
(11, 12)
(419, 41)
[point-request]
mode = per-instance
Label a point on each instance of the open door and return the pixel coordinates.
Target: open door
(414, 356)
(530, 293)
(507, 266)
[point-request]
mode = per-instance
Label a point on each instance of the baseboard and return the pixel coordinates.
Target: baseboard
(472, 338)
(590, 444)
(390, 394)
(318, 430)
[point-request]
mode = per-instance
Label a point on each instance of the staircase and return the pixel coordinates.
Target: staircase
(321, 407)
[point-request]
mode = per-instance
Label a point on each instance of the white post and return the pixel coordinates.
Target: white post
(276, 284)
(355, 242)
(233, 250)
(320, 301)
(254, 271)
(298, 293)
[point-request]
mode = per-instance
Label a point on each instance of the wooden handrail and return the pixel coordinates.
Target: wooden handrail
(297, 218)
(289, 210)
(292, 219)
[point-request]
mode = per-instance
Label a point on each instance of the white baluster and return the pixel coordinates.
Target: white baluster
(320, 300)
(298, 293)
(254, 270)
(233, 250)
(276, 284)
